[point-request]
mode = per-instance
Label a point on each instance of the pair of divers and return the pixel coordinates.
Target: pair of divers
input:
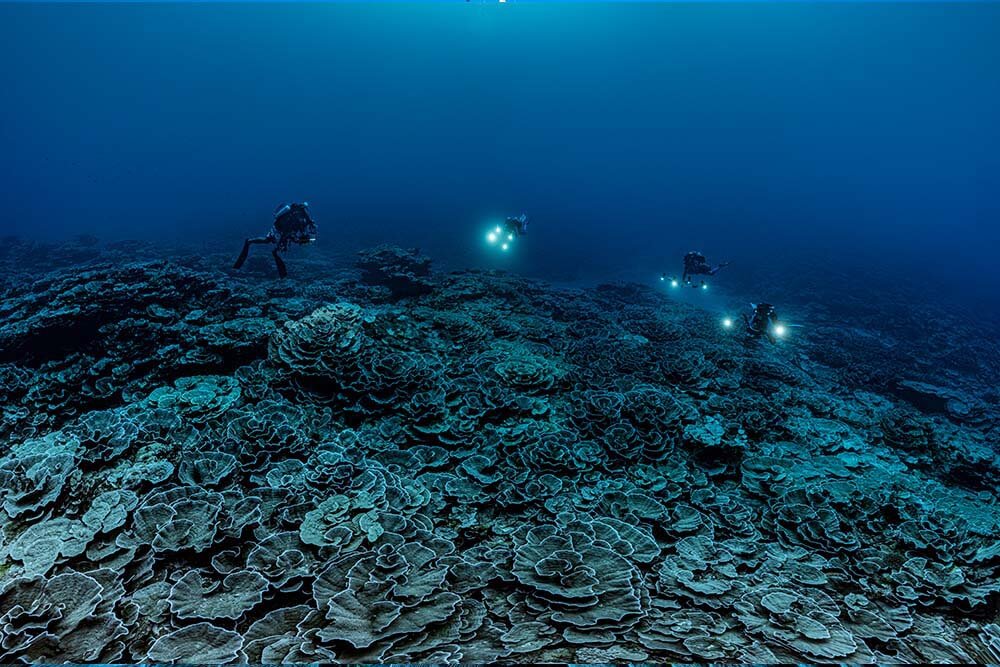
(292, 224)
(762, 320)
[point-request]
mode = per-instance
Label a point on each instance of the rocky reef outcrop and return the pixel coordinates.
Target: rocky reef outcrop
(206, 468)
(402, 272)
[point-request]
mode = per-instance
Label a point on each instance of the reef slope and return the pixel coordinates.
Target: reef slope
(402, 465)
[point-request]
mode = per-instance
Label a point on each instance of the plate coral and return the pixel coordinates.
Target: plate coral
(402, 465)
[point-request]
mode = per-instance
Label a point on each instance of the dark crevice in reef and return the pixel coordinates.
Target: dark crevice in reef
(475, 467)
(48, 343)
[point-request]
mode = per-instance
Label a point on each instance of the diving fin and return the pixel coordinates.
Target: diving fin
(243, 255)
(282, 271)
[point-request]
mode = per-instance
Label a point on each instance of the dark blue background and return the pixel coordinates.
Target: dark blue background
(837, 133)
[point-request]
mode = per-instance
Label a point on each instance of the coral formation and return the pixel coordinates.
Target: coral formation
(474, 467)
(402, 272)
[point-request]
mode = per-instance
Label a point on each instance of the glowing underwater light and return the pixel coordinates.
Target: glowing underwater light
(779, 329)
(673, 283)
(504, 246)
(510, 237)
(497, 230)
(704, 285)
(727, 322)
(491, 237)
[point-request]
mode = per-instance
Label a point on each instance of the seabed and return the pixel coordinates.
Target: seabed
(396, 464)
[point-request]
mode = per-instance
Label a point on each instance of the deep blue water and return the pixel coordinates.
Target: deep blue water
(828, 134)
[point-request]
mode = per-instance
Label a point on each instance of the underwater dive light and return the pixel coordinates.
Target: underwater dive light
(494, 234)
(673, 283)
(727, 322)
(504, 246)
(779, 330)
(704, 285)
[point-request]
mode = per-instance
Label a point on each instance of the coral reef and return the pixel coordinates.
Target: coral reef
(473, 467)
(402, 272)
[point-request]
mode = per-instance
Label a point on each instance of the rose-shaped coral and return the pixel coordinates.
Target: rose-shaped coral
(326, 344)
(576, 579)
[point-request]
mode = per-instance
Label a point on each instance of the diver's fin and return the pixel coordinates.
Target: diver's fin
(282, 271)
(243, 255)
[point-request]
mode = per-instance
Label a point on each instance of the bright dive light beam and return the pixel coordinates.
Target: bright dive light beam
(491, 237)
(498, 229)
(510, 237)
(779, 329)
(704, 285)
(673, 283)
(727, 322)
(504, 246)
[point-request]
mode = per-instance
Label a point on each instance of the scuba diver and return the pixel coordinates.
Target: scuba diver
(763, 321)
(292, 224)
(516, 227)
(695, 264)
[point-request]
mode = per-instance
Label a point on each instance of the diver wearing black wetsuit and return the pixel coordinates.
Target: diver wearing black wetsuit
(292, 224)
(761, 321)
(695, 264)
(515, 227)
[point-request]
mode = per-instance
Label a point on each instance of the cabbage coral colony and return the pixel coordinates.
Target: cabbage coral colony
(423, 467)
